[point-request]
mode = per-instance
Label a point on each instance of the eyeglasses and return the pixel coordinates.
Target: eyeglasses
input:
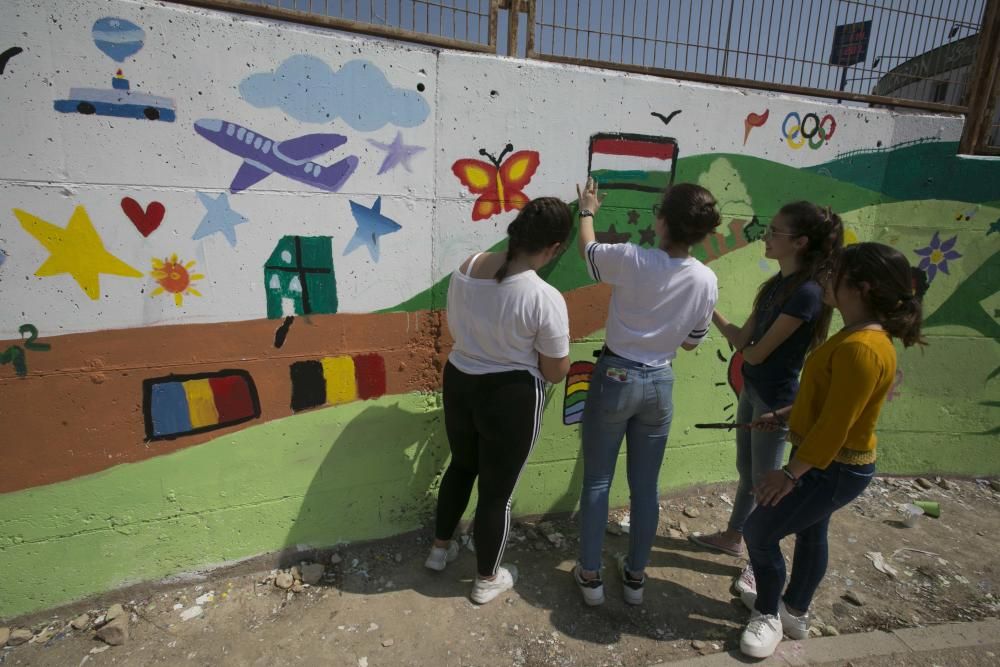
(770, 233)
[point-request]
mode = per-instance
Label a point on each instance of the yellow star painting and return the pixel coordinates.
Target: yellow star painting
(76, 249)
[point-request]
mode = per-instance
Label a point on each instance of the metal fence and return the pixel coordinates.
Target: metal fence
(850, 49)
(461, 24)
(937, 55)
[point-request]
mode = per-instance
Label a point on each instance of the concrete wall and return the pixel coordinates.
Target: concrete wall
(212, 349)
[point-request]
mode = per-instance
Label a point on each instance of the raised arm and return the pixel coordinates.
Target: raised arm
(587, 200)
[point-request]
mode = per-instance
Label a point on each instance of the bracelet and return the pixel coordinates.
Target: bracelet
(788, 474)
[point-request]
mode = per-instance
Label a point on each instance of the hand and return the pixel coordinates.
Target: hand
(774, 486)
(768, 422)
(589, 199)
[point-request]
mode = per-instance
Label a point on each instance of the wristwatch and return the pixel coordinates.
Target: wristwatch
(586, 213)
(789, 474)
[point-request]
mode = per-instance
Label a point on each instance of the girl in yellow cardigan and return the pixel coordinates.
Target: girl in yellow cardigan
(832, 428)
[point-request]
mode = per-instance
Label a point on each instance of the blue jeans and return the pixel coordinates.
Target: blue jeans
(806, 512)
(757, 452)
(631, 400)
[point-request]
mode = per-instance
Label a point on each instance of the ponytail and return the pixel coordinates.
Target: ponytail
(904, 322)
(541, 223)
(511, 252)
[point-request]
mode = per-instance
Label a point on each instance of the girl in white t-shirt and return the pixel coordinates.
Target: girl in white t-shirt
(661, 299)
(511, 333)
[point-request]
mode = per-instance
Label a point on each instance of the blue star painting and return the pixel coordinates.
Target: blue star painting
(219, 218)
(396, 153)
(371, 225)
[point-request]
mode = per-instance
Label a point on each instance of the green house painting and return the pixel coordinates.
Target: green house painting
(299, 277)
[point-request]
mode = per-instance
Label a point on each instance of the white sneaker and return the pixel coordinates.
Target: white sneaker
(485, 590)
(796, 627)
(592, 589)
(745, 582)
(439, 557)
(761, 636)
(631, 588)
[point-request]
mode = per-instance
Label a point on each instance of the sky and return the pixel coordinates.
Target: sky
(780, 41)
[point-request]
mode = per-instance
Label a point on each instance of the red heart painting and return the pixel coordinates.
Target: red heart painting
(145, 221)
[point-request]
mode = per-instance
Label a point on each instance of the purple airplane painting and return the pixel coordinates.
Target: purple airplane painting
(291, 158)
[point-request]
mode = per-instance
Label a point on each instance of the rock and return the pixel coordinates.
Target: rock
(297, 587)
(387, 642)
(192, 612)
(698, 645)
(674, 533)
(80, 622)
(336, 559)
(284, 580)
(683, 527)
(830, 631)
(398, 557)
(296, 573)
(99, 649)
(372, 627)
(4, 636)
(945, 484)
(995, 484)
(312, 573)
(114, 611)
(206, 598)
(114, 632)
(691, 512)
(555, 538)
(923, 483)
(854, 597)
(363, 661)
(614, 528)
(815, 631)
(19, 636)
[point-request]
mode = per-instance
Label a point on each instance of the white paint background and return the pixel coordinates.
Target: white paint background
(53, 161)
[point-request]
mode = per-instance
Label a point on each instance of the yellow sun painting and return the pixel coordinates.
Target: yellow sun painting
(175, 277)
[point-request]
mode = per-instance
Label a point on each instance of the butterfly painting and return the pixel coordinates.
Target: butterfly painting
(500, 183)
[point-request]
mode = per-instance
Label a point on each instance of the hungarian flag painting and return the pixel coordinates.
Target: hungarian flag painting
(632, 161)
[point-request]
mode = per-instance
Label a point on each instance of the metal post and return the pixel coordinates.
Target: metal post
(984, 81)
(729, 31)
(513, 25)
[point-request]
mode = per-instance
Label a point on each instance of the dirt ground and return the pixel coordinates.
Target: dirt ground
(379, 606)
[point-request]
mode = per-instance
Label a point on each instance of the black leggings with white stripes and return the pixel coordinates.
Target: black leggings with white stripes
(492, 422)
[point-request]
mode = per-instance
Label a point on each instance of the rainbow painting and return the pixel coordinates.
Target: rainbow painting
(178, 405)
(577, 384)
(336, 380)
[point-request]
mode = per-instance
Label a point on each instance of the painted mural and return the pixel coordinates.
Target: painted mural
(232, 318)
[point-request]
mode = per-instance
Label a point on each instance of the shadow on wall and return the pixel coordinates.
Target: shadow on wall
(402, 454)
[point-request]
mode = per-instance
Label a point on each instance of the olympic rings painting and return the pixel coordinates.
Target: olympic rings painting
(808, 129)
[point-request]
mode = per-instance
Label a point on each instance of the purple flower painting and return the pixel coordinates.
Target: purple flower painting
(937, 255)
